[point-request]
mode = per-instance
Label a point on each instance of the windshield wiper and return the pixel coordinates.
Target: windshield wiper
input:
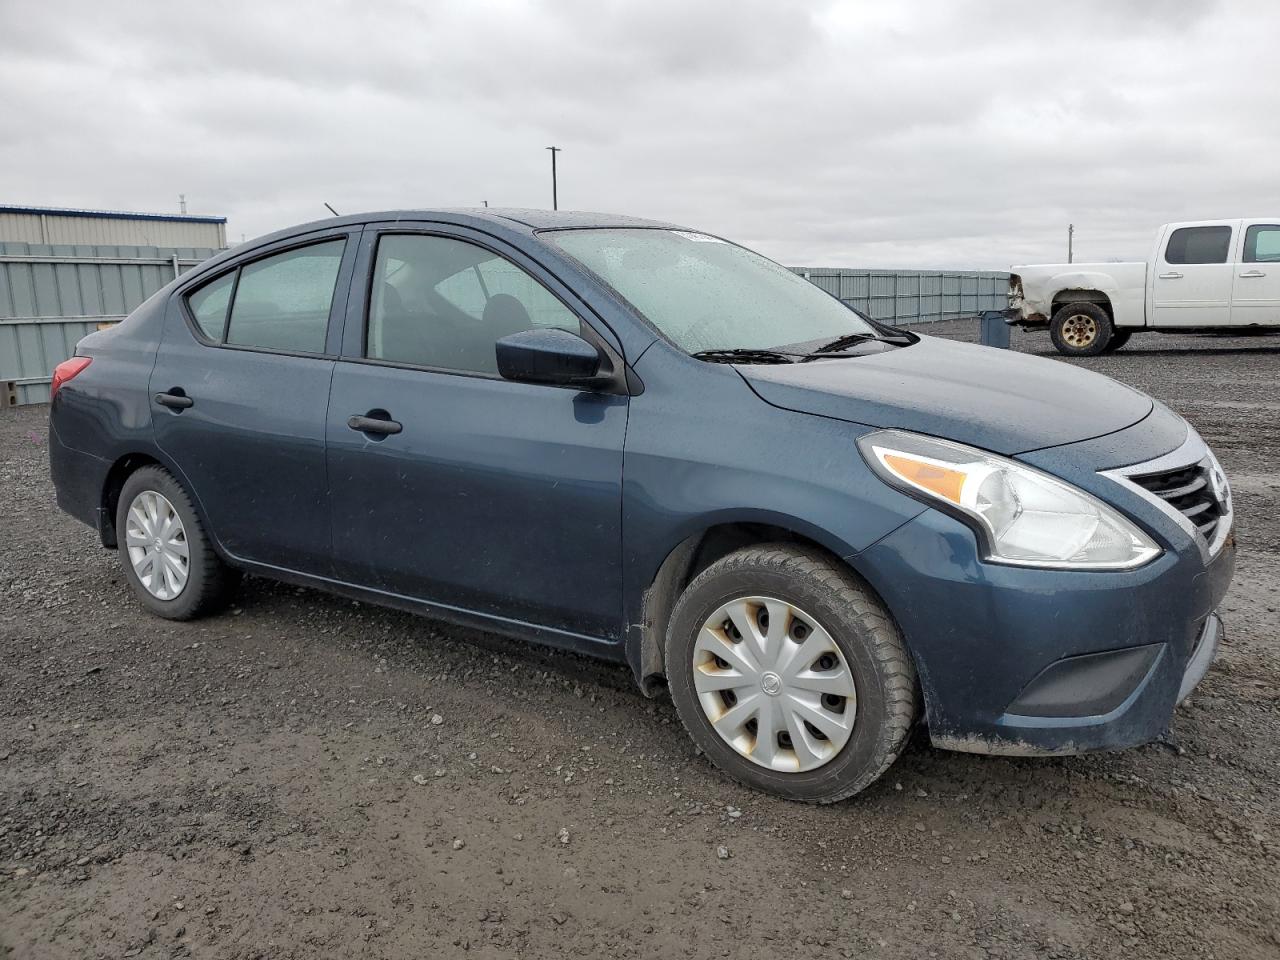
(739, 355)
(850, 339)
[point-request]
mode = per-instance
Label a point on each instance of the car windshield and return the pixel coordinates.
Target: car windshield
(704, 293)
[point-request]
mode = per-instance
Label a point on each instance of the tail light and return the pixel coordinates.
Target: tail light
(65, 371)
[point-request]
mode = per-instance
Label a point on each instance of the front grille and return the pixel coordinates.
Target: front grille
(1190, 491)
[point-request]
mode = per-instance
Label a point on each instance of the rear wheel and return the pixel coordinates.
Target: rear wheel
(1081, 330)
(1118, 340)
(789, 674)
(166, 556)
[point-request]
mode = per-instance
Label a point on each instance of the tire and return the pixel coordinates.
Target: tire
(208, 581)
(1081, 330)
(814, 588)
(1118, 340)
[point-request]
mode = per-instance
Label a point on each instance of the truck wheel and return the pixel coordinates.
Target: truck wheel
(1081, 330)
(1118, 340)
(789, 674)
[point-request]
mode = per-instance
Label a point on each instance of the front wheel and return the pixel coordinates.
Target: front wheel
(1081, 330)
(789, 674)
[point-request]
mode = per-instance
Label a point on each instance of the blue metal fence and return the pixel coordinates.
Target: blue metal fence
(900, 297)
(52, 295)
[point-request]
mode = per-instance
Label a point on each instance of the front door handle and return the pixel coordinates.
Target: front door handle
(376, 425)
(1171, 275)
(1249, 274)
(174, 401)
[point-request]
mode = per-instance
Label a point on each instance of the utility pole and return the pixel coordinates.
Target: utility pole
(182, 202)
(555, 202)
(1071, 235)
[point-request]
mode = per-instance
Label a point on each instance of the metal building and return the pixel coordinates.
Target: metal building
(48, 225)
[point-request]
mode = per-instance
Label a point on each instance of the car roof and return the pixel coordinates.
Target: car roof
(528, 218)
(509, 219)
(564, 219)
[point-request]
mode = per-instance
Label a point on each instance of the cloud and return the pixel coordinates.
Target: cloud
(926, 134)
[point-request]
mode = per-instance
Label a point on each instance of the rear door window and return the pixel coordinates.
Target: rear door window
(1198, 245)
(282, 302)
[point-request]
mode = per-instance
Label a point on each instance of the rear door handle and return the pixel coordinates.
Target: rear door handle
(1249, 274)
(374, 425)
(1171, 275)
(174, 401)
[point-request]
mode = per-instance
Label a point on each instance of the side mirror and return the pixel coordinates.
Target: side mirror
(548, 355)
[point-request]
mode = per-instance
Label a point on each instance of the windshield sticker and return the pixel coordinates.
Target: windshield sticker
(697, 237)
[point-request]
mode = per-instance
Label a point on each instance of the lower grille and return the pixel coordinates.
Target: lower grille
(1190, 491)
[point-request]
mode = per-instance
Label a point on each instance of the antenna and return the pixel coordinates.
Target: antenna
(555, 200)
(333, 211)
(182, 202)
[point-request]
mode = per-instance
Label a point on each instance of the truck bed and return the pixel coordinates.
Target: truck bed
(1035, 289)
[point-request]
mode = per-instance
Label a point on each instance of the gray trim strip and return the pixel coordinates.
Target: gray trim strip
(74, 318)
(75, 258)
(1206, 650)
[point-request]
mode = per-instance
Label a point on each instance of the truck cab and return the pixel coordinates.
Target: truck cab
(1200, 275)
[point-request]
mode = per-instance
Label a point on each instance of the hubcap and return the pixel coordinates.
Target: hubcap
(1079, 330)
(157, 545)
(773, 684)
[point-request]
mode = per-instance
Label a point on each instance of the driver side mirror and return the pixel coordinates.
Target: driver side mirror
(548, 355)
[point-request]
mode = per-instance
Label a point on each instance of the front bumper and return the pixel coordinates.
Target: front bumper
(1027, 662)
(1141, 715)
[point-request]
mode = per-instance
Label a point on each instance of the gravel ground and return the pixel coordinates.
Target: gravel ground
(304, 776)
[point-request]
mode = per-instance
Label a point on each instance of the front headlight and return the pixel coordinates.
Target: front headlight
(1025, 517)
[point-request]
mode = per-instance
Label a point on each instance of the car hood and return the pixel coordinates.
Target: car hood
(998, 400)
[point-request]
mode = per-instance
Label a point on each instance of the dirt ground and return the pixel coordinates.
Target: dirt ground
(304, 776)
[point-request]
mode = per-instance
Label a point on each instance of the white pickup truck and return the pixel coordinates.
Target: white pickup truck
(1204, 275)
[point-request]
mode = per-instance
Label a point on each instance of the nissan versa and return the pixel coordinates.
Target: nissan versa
(653, 445)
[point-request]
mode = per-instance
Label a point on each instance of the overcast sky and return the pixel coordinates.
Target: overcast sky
(961, 134)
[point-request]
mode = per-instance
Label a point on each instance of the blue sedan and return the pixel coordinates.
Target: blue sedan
(650, 444)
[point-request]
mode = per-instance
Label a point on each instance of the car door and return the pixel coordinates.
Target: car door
(1191, 286)
(498, 498)
(239, 392)
(1255, 296)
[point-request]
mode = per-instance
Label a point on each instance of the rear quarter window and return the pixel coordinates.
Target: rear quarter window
(209, 306)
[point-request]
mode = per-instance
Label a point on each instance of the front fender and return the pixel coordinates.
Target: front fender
(703, 451)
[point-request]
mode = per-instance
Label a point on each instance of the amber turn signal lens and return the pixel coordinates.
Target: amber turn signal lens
(932, 477)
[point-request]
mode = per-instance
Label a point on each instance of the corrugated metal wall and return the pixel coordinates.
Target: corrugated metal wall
(913, 296)
(51, 295)
(146, 231)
